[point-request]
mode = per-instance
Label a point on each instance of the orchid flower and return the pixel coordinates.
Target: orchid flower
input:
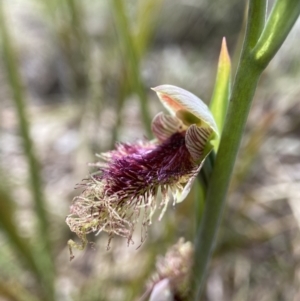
(130, 178)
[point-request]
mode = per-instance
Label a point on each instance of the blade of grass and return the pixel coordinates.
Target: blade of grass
(220, 98)
(218, 107)
(66, 21)
(14, 80)
(21, 245)
(76, 45)
(122, 93)
(18, 97)
(146, 18)
(131, 57)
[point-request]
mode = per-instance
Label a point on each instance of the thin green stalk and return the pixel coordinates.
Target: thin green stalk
(132, 57)
(250, 67)
(15, 83)
(199, 192)
(75, 44)
(243, 92)
(21, 245)
(75, 16)
(14, 80)
(66, 20)
(122, 93)
(282, 18)
(255, 24)
(147, 15)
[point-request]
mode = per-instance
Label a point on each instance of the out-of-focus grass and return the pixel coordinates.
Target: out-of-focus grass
(45, 262)
(21, 245)
(132, 49)
(66, 21)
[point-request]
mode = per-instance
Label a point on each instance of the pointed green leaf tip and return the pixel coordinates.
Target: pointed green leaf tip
(220, 98)
(186, 106)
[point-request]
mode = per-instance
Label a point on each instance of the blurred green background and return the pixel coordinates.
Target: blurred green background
(75, 77)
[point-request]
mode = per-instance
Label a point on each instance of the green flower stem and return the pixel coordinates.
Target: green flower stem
(242, 94)
(255, 23)
(249, 70)
(282, 18)
(14, 80)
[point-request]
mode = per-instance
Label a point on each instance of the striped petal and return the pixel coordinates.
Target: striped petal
(164, 126)
(187, 188)
(182, 103)
(196, 139)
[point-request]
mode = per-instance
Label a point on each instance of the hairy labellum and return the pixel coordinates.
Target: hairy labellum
(129, 182)
(142, 171)
(129, 179)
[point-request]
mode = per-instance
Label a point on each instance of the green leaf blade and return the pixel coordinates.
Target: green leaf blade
(220, 98)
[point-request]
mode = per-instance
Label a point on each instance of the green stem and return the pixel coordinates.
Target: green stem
(242, 95)
(28, 147)
(260, 45)
(240, 101)
(122, 93)
(282, 18)
(256, 22)
(8, 226)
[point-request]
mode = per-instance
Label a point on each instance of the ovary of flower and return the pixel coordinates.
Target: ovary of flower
(130, 177)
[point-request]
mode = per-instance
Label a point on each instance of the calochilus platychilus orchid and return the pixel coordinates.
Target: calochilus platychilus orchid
(136, 179)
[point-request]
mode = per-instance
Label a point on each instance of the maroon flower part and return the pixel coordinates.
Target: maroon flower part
(129, 180)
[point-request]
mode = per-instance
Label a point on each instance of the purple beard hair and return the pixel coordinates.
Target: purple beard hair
(142, 170)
